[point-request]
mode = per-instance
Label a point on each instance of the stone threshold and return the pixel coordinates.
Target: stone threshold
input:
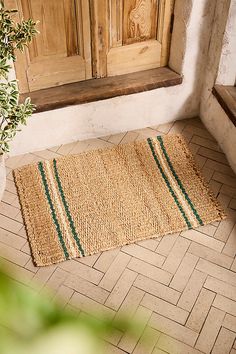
(102, 88)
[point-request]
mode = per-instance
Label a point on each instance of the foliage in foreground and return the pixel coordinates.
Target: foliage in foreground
(13, 36)
(32, 323)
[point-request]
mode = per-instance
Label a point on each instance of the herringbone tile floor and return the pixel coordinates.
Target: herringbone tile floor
(183, 285)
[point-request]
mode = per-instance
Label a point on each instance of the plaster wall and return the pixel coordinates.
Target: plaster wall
(190, 41)
(220, 68)
(227, 67)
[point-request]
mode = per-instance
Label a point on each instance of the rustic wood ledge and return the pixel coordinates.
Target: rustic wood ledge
(226, 96)
(101, 89)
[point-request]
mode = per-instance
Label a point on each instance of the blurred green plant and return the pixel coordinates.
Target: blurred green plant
(30, 323)
(13, 36)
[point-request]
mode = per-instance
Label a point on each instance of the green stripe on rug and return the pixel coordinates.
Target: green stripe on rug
(168, 183)
(68, 214)
(54, 217)
(159, 138)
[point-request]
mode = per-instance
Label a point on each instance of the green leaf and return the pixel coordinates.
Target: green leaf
(13, 36)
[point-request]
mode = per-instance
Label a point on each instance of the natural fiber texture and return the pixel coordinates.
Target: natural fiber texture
(82, 204)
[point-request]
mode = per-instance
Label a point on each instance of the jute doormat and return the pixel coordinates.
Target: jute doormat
(82, 204)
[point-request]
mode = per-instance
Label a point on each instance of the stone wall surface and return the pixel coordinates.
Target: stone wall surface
(220, 69)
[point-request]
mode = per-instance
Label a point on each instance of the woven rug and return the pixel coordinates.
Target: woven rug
(78, 205)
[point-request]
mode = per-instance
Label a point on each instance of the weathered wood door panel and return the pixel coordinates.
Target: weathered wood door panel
(132, 35)
(61, 53)
(134, 57)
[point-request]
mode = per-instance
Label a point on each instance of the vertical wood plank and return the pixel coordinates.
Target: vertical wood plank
(86, 37)
(100, 36)
(160, 23)
(94, 38)
(166, 35)
(71, 27)
(116, 22)
(103, 36)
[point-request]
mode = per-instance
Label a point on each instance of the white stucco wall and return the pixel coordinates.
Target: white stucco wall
(227, 67)
(221, 68)
(140, 110)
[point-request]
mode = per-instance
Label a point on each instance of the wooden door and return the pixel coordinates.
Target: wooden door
(132, 35)
(81, 39)
(61, 53)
